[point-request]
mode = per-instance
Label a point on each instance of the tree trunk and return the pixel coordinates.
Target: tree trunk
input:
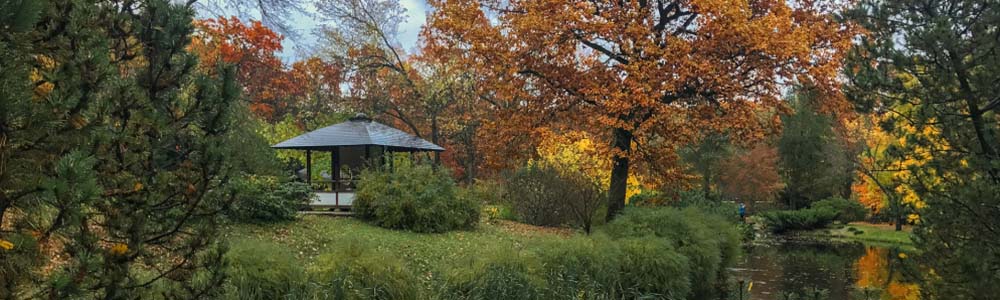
(4, 204)
(899, 222)
(706, 183)
(622, 142)
(972, 104)
(470, 162)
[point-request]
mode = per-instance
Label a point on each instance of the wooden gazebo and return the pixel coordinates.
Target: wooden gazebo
(352, 144)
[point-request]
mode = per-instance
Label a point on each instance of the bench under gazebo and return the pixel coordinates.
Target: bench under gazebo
(352, 146)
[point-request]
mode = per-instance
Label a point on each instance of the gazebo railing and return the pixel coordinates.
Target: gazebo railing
(330, 186)
(337, 194)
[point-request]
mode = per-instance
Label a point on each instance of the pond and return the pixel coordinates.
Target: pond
(834, 271)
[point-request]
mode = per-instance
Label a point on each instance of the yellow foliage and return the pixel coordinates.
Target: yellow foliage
(6, 245)
(119, 249)
(577, 151)
(42, 90)
(892, 171)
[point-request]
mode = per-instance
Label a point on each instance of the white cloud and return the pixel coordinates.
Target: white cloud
(416, 17)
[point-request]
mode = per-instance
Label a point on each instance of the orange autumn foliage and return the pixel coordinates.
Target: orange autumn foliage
(752, 175)
(872, 271)
(646, 76)
(315, 88)
(251, 48)
(868, 195)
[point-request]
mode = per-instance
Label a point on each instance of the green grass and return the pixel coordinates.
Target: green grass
(875, 235)
(322, 257)
(311, 236)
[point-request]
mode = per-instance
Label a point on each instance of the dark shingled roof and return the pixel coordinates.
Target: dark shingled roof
(358, 131)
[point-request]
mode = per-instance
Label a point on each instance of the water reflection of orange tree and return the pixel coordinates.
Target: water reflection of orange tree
(877, 270)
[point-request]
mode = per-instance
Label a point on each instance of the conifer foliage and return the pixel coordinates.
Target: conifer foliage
(114, 152)
(930, 68)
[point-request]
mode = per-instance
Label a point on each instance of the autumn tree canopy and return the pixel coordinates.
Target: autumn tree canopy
(252, 48)
(429, 94)
(645, 76)
(308, 87)
(751, 176)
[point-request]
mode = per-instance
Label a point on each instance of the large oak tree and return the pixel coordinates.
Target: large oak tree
(644, 75)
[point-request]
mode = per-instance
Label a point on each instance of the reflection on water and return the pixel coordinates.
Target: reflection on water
(824, 271)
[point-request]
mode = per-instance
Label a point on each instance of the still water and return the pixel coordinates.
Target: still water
(822, 270)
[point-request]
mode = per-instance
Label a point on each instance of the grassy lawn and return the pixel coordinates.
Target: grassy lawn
(335, 257)
(312, 236)
(873, 234)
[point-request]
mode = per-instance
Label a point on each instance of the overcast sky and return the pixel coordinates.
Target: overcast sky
(306, 26)
(416, 15)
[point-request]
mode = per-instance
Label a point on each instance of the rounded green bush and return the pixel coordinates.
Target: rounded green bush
(581, 268)
(264, 199)
(650, 269)
(498, 277)
(417, 198)
(847, 210)
(707, 241)
(364, 273)
(804, 219)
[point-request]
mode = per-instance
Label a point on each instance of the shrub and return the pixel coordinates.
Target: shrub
(265, 270)
(601, 268)
(548, 195)
(492, 213)
(647, 198)
(417, 198)
(262, 199)
(650, 269)
(847, 210)
(486, 191)
(804, 219)
(362, 272)
(584, 267)
(493, 277)
(708, 241)
(711, 205)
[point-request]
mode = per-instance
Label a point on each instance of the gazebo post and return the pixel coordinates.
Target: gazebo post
(335, 167)
(309, 177)
(384, 162)
(368, 157)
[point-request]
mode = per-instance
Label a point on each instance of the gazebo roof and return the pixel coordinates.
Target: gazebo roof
(358, 131)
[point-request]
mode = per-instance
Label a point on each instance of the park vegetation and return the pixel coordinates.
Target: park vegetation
(135, 133)
(417, 198)
(663, 253)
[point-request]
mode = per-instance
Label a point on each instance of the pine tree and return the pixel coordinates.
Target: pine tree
(116, 154)
(18, 250)
(939, 60)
